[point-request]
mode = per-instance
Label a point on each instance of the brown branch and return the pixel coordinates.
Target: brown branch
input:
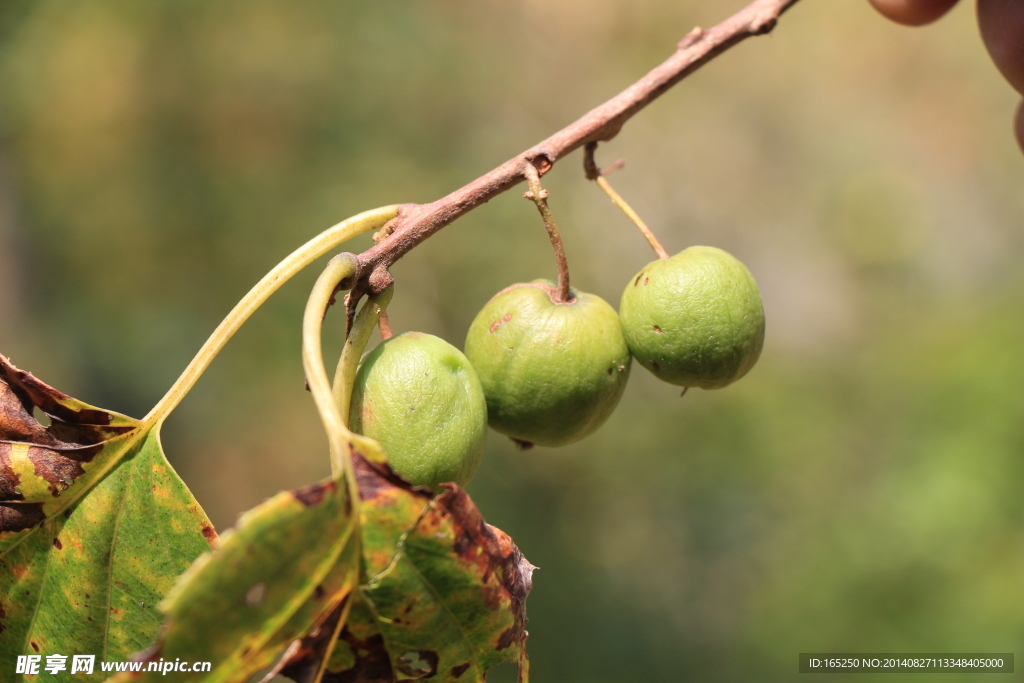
(417, 222)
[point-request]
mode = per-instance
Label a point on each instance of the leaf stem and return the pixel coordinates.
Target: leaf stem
(539, 196)
(371, 311)
(339, 273)
(282, 272)
(590, 168)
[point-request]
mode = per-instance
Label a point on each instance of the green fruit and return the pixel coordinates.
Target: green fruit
(696, 319)
(420, 398)
(552, 372)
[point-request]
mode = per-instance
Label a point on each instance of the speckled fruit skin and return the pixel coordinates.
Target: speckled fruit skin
(694, 320)
(552, 373)
(420, 398)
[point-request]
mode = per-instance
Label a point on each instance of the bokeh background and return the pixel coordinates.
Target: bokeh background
(860, 490)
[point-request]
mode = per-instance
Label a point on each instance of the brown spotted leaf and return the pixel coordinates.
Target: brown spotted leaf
(442, 594)
(277, 576)
(95, 526)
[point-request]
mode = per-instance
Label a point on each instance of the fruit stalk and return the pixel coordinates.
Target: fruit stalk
(539, 196)
(595, 174)
(368, 316)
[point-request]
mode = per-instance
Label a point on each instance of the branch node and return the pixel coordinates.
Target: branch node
(379, 280)
(589, 167)
(763, 24)
(692, 37)
(385, 231)
(541, 162)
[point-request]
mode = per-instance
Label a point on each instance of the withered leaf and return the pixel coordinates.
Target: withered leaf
(441, 597)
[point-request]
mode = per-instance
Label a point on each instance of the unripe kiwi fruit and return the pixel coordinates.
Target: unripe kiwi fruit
(552, 372)
(695, 319)
(420, 398)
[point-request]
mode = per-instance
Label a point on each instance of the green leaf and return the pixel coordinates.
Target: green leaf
(442, 594)
(82, 574)
(279, 574)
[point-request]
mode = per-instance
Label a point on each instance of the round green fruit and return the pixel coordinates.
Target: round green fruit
(420, 398)
(552, 372)
(696, 319)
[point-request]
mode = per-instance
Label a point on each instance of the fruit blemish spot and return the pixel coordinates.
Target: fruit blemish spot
(498, 323)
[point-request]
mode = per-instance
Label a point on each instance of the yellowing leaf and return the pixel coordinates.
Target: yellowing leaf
(82, 574)
(278, 575)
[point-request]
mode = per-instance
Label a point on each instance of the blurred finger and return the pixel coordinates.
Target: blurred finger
(914, 12)
(1002, 27)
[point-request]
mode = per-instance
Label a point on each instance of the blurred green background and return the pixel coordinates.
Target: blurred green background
(860, 490)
